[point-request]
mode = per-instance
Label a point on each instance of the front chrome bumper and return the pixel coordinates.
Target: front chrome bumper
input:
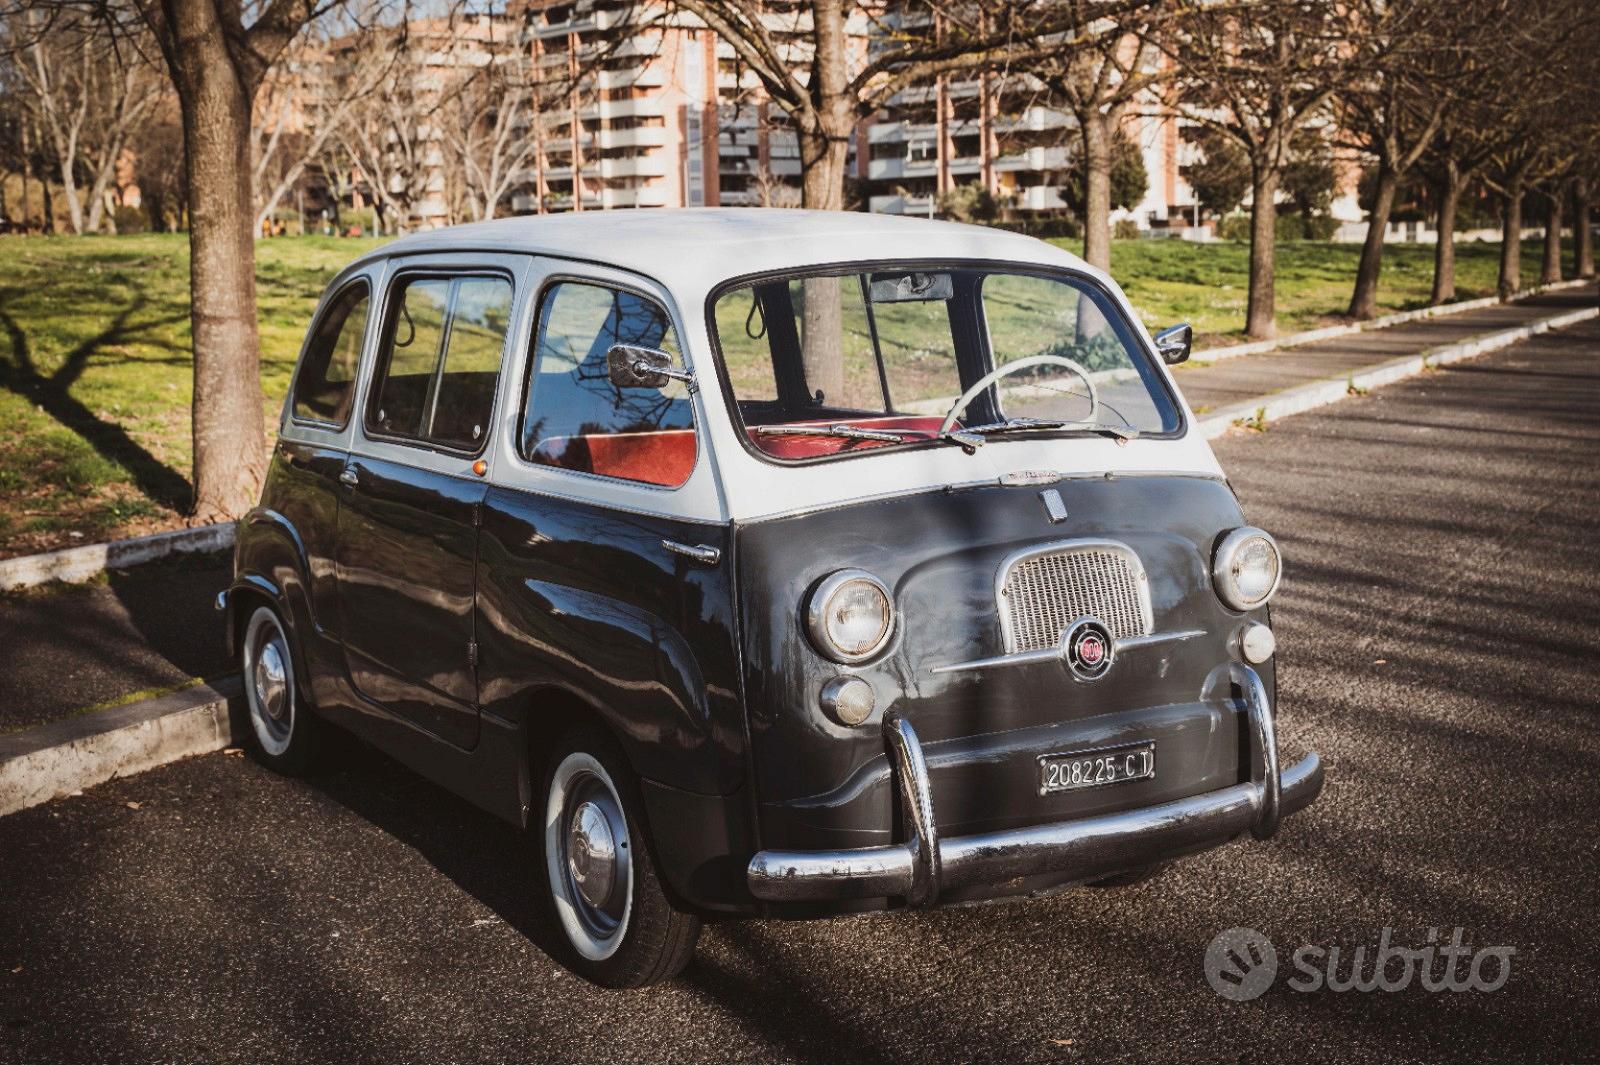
(1085, 849)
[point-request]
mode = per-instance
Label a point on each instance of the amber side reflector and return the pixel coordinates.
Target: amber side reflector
(480, 467)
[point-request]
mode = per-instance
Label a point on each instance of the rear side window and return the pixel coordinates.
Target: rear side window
(440, 360)
(326, 382)
(576, 419)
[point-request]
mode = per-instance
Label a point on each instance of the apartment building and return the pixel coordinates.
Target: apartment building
(641, 111)
(1001, 131)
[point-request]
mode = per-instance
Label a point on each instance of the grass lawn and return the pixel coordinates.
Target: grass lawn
(1206, 285)
(95, 378)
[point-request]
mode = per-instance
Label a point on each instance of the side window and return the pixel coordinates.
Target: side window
(575, 418)
(325, 385)
(440, 360)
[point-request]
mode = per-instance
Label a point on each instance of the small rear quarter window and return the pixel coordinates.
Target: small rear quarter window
(325, 386)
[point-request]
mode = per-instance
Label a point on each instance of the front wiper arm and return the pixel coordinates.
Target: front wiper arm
(1041, 424)
(848, 432)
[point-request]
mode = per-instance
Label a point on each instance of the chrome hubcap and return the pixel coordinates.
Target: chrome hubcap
(271, 680)
(591, 868)
(591, 855)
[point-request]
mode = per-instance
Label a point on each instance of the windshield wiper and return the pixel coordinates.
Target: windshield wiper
(1023, 425)
(848, 432)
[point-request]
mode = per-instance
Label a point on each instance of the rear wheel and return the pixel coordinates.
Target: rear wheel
(622, 929)
(283, 733)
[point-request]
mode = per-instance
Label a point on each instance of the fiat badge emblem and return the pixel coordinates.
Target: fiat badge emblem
(1088, 649)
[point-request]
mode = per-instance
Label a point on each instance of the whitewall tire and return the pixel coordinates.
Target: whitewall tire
(600, 876)
(281, 728)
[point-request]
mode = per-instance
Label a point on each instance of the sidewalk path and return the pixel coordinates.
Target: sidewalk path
(147, 630)
(1209, 386)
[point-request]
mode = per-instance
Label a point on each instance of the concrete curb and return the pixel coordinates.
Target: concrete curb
(1332, 332)
(81, 563)
(1332, 389)
(44, 763)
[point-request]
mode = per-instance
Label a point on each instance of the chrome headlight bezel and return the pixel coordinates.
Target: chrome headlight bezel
(817, 616)
(1222, 561)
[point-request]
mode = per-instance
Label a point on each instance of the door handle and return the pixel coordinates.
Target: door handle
(699, 552)
(348, 477)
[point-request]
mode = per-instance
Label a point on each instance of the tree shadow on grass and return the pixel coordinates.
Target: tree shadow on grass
(52, 393)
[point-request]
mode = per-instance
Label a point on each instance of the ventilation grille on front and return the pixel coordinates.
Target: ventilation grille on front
(1040, 595)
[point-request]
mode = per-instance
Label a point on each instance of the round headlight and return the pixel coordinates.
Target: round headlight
(850, 616)
(1246, 569)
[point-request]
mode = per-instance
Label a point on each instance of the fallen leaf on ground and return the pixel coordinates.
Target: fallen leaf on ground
(131, 805)
(233, 750)
(17, 970)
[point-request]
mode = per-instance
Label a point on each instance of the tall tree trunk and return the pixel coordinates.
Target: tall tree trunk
(229, 428)
(1550, 269)
(1511, 242)
(1444, 252)
(822, 340)
(822, 171)
(825, 140)
(27, 175)
(1261, 316)
(1364, 300)
(1582, 236)
(1096, 137)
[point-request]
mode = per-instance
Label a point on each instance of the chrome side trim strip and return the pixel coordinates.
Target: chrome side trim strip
(1133, 642)
(1025, 658)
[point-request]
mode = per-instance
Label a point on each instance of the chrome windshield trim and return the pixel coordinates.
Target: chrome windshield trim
(1057, 653)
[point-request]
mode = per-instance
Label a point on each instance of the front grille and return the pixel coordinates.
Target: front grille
(1041, 593)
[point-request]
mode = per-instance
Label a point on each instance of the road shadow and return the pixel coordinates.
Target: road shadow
(493, 861)
(133, 634)
(52, 393)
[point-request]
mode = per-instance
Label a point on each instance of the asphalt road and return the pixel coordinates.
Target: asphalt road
(1439, 642)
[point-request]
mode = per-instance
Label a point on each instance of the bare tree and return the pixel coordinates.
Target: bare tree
(1393, 108)
(88, 92)
(308, 101)
(391, 137)
(1257, 74)
(489, 123)
(1582, 191)
(1098, 83)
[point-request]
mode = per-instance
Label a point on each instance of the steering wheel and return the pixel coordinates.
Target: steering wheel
(1012, 367)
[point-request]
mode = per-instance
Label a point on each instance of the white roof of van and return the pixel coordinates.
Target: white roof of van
(710, 244)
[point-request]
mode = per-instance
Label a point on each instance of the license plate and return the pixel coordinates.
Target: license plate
(1091, 769)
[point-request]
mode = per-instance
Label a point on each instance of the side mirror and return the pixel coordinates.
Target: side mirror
(634, 366)
(1174, 343)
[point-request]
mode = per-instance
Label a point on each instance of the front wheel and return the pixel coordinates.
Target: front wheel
(603, 883)
(284, 734)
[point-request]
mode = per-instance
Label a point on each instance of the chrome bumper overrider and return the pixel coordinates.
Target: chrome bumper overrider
(924, 865)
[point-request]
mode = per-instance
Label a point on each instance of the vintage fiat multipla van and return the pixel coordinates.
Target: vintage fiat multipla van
(764, 562)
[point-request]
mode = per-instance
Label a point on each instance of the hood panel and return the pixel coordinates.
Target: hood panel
(940, 554)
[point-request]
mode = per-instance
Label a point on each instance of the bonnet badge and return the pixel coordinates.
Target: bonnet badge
(1088, 649)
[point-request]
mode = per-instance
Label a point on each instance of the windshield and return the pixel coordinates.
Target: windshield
(842, 363)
